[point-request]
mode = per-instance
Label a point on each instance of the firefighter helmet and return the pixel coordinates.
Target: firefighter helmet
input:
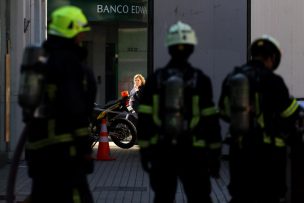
(181, 33)
(266, 46)
(67, 22)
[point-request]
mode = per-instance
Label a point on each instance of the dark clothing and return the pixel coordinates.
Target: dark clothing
(258, 158)
(195, 154)
(297, 168)
(257, 177)
(135, 97)
(62, 187)
(297, 160)
(189, 167)
(58, 152)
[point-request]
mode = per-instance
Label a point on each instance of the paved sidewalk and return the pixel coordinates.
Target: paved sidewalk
(118, 181)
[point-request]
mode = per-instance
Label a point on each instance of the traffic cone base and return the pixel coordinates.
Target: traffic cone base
(103, 152)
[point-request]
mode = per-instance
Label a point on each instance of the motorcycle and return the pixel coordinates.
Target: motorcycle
(121, 122)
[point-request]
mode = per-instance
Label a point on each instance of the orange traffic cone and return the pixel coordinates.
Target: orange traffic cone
(103, 152)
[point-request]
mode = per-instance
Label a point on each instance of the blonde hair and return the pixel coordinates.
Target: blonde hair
(141, 77)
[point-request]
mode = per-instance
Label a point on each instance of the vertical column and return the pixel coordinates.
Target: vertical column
(7, 97)
(7, 79)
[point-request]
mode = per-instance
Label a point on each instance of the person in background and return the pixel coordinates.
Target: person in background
(58, 151)
(255, 101)
(178, 124)
(137, 91)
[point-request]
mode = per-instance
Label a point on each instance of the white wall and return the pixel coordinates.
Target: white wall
(99, 42)
(221, 29)
(284, 20)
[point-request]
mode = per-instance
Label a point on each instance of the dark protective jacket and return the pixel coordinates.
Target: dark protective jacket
(274, 109)
(60, 139)
(203, 130)
(135, 97)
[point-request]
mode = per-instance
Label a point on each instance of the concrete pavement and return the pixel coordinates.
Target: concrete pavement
(118, 181)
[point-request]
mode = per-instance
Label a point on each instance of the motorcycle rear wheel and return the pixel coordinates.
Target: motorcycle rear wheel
(123, 133)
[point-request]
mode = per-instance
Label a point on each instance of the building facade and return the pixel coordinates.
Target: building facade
(127, 38)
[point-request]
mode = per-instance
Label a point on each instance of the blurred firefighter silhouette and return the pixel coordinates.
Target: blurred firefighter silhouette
(178, 126)
(256, 103)
(57, 95)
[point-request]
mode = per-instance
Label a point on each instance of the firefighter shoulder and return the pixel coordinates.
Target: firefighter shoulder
(242, 107)
(174, 104)
(170, 106)
(163, 120)
(31, 80)
(239, 96)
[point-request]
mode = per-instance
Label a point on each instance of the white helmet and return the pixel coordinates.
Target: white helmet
(181, 33)
(267, 45)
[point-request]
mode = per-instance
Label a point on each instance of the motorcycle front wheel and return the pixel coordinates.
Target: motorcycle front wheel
(123, 133)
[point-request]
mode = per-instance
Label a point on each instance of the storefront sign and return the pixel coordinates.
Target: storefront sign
(122, 9)
(107, 10)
